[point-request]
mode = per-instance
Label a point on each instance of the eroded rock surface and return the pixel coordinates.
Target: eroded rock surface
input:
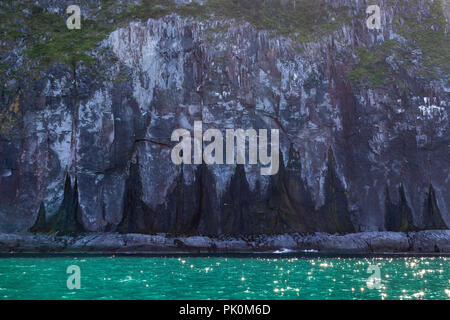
(89, 146)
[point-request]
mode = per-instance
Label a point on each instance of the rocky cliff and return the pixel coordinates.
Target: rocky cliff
(86, 115)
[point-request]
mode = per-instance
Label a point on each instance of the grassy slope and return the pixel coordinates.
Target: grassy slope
(48, 40)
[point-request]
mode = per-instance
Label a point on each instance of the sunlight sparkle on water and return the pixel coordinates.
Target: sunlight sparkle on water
(225, 278)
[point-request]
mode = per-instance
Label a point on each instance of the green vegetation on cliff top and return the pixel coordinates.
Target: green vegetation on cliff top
(426, 52)
(46, 39)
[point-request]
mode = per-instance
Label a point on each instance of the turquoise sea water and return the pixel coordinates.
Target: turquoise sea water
(219, 277)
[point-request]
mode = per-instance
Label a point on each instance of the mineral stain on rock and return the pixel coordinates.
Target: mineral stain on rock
(67, 220)
(86, 118)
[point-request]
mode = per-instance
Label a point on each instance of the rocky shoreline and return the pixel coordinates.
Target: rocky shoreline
(432, 241)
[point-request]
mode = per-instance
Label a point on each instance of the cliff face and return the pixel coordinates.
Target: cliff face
(363, 116)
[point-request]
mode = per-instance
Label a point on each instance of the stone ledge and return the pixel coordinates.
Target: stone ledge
(432, 241)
